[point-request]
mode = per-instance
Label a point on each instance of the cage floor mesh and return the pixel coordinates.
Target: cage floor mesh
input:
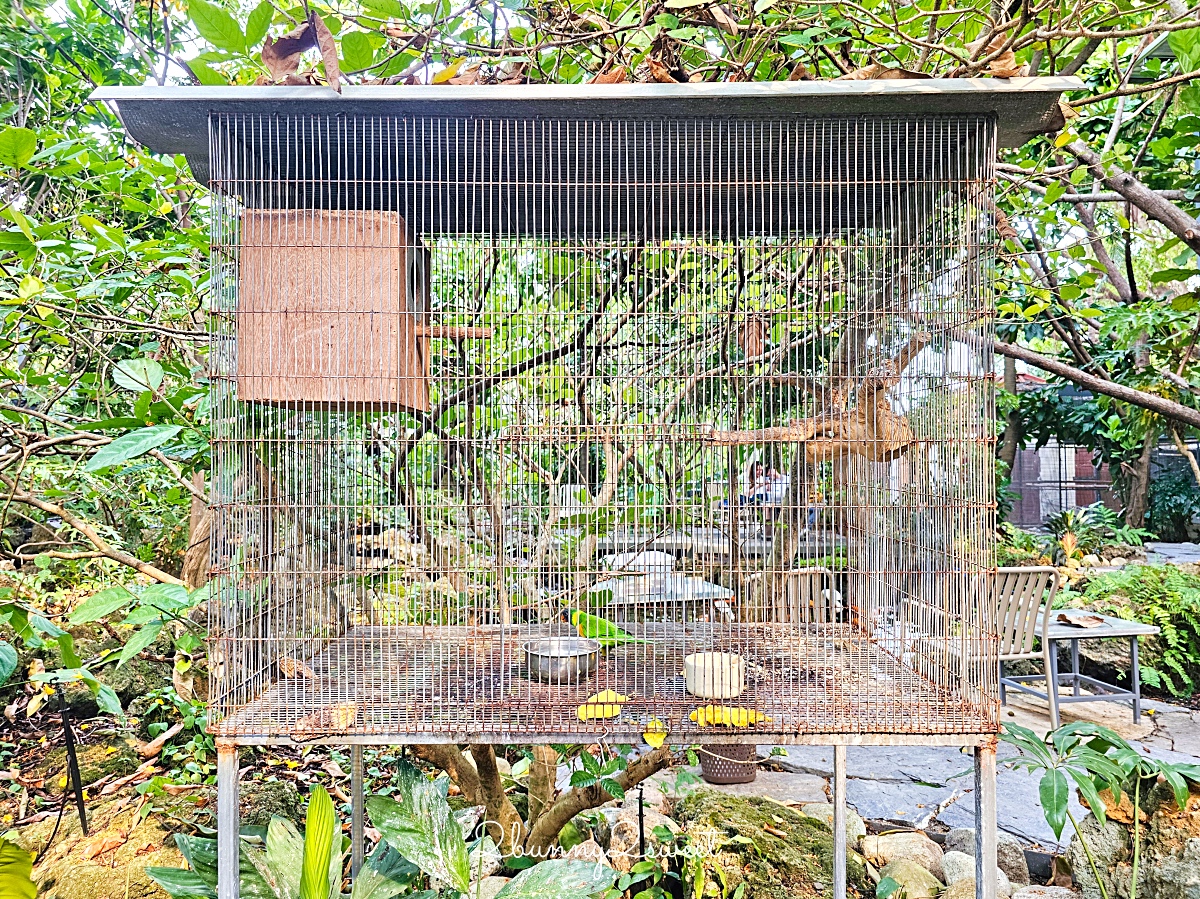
(459, 683)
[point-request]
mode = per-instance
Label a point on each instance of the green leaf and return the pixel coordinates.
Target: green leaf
(8, 661)
(16, 872)
(320, 828)
(181, 884)
(66, 648)
(356, 50)
(206, 74)
(1166, 275)
(217, 26)
(17, 146)
(108, 701)
(139, 641)
(138, 374)
(384, 875)
(887, 888)
(422, 828)
(258, 23)
(130, 446)
(559, 879)
(284, 858)
(386, 9)
(100, 604)
(1055, 794)
(1087, 788)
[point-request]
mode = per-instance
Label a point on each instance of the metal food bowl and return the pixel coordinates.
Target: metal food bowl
(562, 660)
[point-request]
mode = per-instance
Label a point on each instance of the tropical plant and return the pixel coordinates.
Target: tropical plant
(422, 839)
(1083, 531)
(1095, 759)
(1174, 503)
(1162, 595)
(16, 872)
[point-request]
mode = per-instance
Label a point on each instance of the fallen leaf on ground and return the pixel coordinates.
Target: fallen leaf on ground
(102, 844)
(605, 704)
(293, 667)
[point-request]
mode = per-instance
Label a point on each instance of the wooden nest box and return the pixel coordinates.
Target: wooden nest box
(331, 311)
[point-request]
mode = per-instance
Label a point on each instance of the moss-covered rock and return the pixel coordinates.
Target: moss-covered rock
(112, 754)
(264, 800)
(109, 862)
(777, 852)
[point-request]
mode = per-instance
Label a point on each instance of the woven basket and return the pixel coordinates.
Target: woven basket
(729, 763)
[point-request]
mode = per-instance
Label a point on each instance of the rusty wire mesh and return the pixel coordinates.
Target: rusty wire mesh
(725, 383)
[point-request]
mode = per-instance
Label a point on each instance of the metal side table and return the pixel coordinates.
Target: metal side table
(1111, 629)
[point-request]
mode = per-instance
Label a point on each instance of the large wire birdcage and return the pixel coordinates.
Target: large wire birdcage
(555, 430)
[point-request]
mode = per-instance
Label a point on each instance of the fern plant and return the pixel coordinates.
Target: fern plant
(1168, 598)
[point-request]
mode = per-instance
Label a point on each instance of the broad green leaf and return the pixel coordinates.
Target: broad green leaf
(1090, 794)
(386, 9)
(8, 661)
(284, 858)
(66, 647)
(887, 888)
(1166, 275)
(206, 74)
(217, 26)
(559, 879)
(422, 828)
(108, 701)
(258, 23)
(181, 884)
(100, 604)
(17, 146)
(385, 874)
(138, 374)
(130, 446)
(139, 641)
(16, 872)
(320, 830)
(1055, 794)
(356, 50)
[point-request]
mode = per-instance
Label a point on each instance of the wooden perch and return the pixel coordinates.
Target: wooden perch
(871, 429)
(454, 332)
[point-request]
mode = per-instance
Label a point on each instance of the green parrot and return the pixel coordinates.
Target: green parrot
(592, 627)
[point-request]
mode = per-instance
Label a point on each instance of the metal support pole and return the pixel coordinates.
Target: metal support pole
(1135, 680)
(985, 821)
(228, 826)
(839, 822)
(356, 809)
(1052, 683)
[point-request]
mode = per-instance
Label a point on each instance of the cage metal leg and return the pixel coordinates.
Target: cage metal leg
(839, 822)
(228, 840)
(356, 809)
(985, 821)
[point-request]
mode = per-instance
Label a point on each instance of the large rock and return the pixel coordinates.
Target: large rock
(957, 866)
(1039, 892)
(965, 889)
(489, 887)
(917, 882)
(960, 867)
(914, 845)
(1111, 848)
(624, 842)
(271, 799)
(784, 853)
(856, 828)
(1010, 854)
(587, 851)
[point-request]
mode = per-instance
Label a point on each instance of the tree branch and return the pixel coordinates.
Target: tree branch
(1180, 223)
(544, 832)
(1160, 405)
(69, 518)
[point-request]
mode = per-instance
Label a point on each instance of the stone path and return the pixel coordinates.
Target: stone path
(1179, 553)
(916, 785)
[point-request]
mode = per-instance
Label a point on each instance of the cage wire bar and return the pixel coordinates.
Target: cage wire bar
(723, 383)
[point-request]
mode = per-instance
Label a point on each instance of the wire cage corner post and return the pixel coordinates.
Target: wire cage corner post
(541, 416)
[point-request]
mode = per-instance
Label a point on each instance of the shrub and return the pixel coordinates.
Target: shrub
(1174, 501)
(1168, 598)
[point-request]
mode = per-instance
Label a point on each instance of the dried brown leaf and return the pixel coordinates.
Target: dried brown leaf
(102, 844)
(1005, 66)
(293, 667)
(466, 76)
(282, 55)
(877, 72)
(616, 76)
(800, 73)
(724, 20)
(328, 48)
(661, 73)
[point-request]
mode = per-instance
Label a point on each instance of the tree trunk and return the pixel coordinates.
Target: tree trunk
(1138, 475)
(502, 817)
(543, 774)
(1011, 440)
